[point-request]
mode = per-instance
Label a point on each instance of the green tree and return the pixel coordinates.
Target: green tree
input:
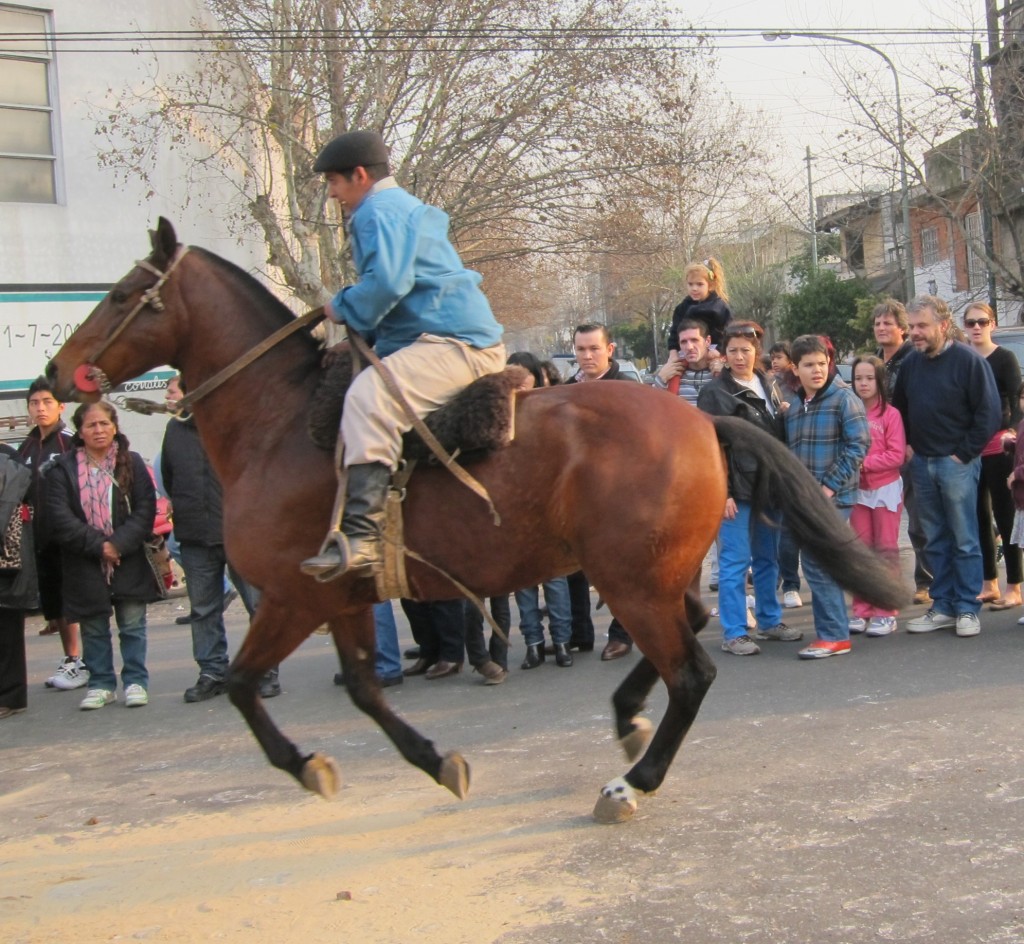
(825, 304)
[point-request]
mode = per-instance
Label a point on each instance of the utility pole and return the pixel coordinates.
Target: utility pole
(813, 215)
(987, 234)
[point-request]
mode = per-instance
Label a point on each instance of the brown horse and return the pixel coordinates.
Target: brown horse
(615, 479)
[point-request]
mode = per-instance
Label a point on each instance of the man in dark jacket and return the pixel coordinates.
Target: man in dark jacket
(594, 349)
(196, 501)
(48, 438)
(950, 405)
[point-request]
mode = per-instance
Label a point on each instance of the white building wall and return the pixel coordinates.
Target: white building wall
(56, 259)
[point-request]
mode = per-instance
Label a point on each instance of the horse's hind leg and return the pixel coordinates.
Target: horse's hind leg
(272, 637)
(357, 657)
(630, 698)
(671, 651)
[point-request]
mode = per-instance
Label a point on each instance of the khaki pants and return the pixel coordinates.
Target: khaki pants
(429, 372)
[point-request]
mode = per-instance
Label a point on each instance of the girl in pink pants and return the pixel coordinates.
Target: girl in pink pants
(876, 514)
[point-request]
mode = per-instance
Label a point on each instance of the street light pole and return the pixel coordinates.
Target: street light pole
(907, 248)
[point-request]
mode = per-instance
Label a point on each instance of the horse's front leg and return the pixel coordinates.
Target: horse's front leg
(274, 633)
(354, 639)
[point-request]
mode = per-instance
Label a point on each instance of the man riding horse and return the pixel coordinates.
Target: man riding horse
(427, 318)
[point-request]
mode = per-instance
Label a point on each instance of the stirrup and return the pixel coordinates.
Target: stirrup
(331, 562)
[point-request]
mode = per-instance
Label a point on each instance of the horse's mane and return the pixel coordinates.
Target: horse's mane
(262, 301)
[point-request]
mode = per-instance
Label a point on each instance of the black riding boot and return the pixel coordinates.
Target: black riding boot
(358, 546)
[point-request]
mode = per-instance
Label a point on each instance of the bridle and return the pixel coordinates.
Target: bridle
(151, 297)
(88, 373)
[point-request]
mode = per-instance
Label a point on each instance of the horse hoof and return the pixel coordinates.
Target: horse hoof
(635, 743)
(455, 774)
(321, 774)
(616, 804)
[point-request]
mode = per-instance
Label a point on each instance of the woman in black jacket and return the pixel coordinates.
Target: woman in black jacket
(746, 540)
(101, 505)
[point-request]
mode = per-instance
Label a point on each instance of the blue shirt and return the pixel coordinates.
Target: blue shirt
(411, 279)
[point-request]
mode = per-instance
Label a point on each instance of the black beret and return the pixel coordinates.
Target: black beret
(350, 150)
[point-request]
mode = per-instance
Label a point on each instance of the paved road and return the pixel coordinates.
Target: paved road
(873, 797)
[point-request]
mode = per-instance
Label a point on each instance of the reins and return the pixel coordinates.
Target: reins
(208, 386)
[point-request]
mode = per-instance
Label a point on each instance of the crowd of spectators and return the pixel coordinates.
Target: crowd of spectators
(927, 428)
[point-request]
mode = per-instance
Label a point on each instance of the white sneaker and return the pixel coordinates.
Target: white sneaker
(70, 674)
(931, 621)
(856, 625)
(97, 698)
(967, 624)
(135, 696)
(791, 600)
(882, 626)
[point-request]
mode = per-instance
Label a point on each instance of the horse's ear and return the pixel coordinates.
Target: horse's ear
(164, 241)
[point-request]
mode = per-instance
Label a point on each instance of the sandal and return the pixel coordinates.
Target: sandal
(1003, 604)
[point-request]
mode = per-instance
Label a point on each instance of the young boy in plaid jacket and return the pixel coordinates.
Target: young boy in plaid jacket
(828, 432)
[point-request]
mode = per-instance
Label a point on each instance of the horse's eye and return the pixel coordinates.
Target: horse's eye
(117, 296)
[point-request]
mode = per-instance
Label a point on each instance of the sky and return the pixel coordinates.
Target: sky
(793, 82)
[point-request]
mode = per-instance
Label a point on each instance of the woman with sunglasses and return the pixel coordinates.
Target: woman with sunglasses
(746, 541)
(994, 498)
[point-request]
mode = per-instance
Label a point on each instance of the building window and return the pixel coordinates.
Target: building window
(930, 246)
(27, 153)
(977, 271)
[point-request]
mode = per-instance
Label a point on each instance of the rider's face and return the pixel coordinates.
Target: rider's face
(348, 189)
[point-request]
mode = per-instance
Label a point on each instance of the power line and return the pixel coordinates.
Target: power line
(509, 39)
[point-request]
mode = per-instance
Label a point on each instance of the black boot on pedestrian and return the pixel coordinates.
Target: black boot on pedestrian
(563, 657)
(534, 656)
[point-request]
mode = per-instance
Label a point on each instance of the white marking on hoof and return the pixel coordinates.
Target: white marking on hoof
(455, 774)
(617, 802)
(635, 743)
(321, 774)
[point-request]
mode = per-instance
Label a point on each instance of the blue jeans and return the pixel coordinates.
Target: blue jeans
(946, 494)
(388, 662)
(556, 596)
(204, 579)
(828, 605)
(98, 647)
(742, 545)
(789, 560)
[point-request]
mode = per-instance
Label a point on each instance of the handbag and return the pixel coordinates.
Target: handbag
(159, 560)
(11, 541)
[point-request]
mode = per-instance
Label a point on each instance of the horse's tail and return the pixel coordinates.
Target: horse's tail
(783, 483)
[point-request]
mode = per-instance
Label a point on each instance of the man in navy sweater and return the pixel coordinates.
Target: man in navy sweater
(947, 396)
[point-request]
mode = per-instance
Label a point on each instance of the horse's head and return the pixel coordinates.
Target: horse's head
(132, 330)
